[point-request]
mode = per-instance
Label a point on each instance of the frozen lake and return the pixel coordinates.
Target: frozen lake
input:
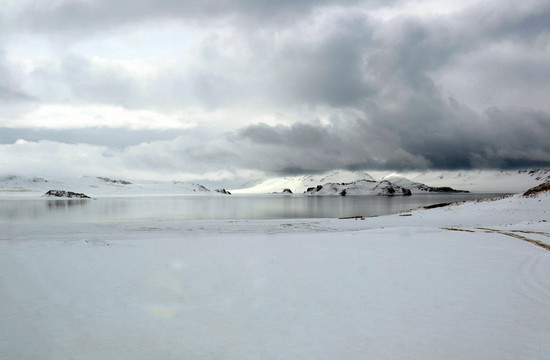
(235, 207)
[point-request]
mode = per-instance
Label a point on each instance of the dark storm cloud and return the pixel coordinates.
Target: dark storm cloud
(445, 137)
(327, 71)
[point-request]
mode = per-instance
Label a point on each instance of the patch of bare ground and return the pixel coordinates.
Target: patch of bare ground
(544, 187)
(434, 206)
(532, 232)
(455, 229)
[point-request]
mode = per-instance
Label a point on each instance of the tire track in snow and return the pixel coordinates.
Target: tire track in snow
(534, 271)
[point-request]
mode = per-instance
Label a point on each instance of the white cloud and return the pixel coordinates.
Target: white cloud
(83, 116)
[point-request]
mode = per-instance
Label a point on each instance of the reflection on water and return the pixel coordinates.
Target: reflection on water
(66, 203)
(213, 207)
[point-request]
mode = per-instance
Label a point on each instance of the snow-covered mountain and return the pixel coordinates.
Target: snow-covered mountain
(299, 184)
(12, 185)
(497, 181)
(355, 183)
(360, 187)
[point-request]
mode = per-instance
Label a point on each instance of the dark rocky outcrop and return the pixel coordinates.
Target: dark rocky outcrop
(223, 191)
(441, 189)
(287, 191)
(534, 191)
(314, 189)
(66, 194)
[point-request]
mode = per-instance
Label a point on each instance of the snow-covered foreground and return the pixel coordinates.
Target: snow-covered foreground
(456, 282)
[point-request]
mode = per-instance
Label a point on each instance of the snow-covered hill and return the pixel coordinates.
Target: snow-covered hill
(299, 184)
(12, 185)
(361, 187)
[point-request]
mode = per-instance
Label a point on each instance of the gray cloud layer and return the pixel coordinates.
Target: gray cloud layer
(467, 90)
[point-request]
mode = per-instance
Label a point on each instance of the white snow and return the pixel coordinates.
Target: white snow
(426, 284)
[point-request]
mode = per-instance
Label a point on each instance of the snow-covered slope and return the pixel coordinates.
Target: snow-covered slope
(96, 186)
(11, 184)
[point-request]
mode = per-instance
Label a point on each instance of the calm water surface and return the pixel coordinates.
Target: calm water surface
(235, 207)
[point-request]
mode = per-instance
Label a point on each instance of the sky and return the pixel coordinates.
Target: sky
(230, 90)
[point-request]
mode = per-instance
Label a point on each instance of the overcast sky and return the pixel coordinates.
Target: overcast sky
(228, 89)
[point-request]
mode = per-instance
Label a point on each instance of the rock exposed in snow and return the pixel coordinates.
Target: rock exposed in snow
(361, 187)
(545, 187)
(223, 191)
(66, 194)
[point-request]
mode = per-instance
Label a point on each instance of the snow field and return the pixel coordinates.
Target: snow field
(432, 285)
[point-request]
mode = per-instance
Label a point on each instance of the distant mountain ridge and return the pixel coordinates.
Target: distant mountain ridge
(96, 186)
(497, 181)
(501, 181)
